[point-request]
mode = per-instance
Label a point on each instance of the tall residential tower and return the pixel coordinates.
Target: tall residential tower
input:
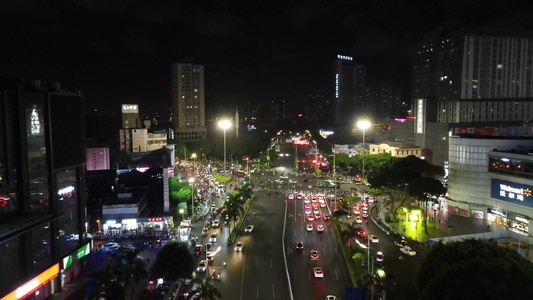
(350, 90)
(188, 102)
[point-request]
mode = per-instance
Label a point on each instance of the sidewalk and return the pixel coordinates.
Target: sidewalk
(79, 288)
(446, 225)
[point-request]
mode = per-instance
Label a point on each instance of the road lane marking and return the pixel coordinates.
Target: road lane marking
(336, 275)
(242, 277)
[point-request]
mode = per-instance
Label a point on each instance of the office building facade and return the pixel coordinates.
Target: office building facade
(350, 90)
(476, 83)
(187, 98)
(42, 198)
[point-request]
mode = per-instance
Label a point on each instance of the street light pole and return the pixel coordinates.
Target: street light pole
(191, 181)
(364, 125)
(368, 254)
(225, 124)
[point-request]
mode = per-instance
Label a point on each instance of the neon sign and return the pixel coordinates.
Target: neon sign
(344, 57)
(34, 284)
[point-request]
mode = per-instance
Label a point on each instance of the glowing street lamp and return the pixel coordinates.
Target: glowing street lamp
(181, 211)
(224, 124)
(364, 125)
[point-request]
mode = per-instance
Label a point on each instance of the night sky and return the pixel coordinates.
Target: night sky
(120, 51)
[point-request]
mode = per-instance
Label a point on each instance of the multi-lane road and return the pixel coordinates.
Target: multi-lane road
(260, 271)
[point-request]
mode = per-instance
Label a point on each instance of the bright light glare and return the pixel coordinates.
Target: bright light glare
(224, 124)
(363, 124)
(191, 180)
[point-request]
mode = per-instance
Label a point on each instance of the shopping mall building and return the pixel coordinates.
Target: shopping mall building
(492, 178)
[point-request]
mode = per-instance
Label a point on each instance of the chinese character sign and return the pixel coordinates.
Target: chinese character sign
(512, 192)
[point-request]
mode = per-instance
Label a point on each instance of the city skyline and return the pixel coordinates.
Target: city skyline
(117, 52)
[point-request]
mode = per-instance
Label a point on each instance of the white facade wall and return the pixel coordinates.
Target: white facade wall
(469, 180)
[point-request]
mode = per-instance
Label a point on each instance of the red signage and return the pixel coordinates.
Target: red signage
(34, 284)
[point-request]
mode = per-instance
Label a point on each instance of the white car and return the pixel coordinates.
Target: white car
(293, 181)
(239, 246)
(408, 251)
(216, 223)
(213, 238)
(318, 273)
(320, 228)
(202, 266)
(374, 239)
(379, 256)
(309, 227)
(307, 200)
(331, 297)
(249, 228)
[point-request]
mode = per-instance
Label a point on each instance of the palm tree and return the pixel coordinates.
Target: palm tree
(350, 231)
(246, 192)
(233, 210)
(130, 267)
(206, 288)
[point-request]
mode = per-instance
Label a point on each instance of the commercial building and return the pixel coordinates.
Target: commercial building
(187, 97)
(97, 159)
(491, 178)
(474, 82)
(395, 149)
(350, 90)
(43, 238)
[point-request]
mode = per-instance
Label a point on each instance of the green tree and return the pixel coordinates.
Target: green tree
(397, 177)
(233, 206)
(349, 232)
(206, 288)
(106, 283)
(174, 261)
(130, 268)
(474, 269)
(422, 189)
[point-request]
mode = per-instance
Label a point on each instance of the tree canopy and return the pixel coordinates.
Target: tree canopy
(174, 261)
(474, 269)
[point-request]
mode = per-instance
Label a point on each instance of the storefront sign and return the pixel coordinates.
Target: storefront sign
(34, 284)
(81, 253)
(497, 212)
(512, 192)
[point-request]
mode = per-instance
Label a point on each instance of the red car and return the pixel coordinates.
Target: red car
(326, 217)
(361, 233)
(317, 216)
(314, 255)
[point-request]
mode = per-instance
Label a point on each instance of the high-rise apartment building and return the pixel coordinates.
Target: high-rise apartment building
(475, 82)
(42, 198)
(350, 90)
(384, 102)
(476, 78)
(187, 97)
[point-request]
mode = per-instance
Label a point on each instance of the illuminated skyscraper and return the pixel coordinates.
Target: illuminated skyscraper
(350, 89)
(188, 102)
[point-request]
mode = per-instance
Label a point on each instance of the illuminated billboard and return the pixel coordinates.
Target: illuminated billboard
(130, 108)
(515, 193)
